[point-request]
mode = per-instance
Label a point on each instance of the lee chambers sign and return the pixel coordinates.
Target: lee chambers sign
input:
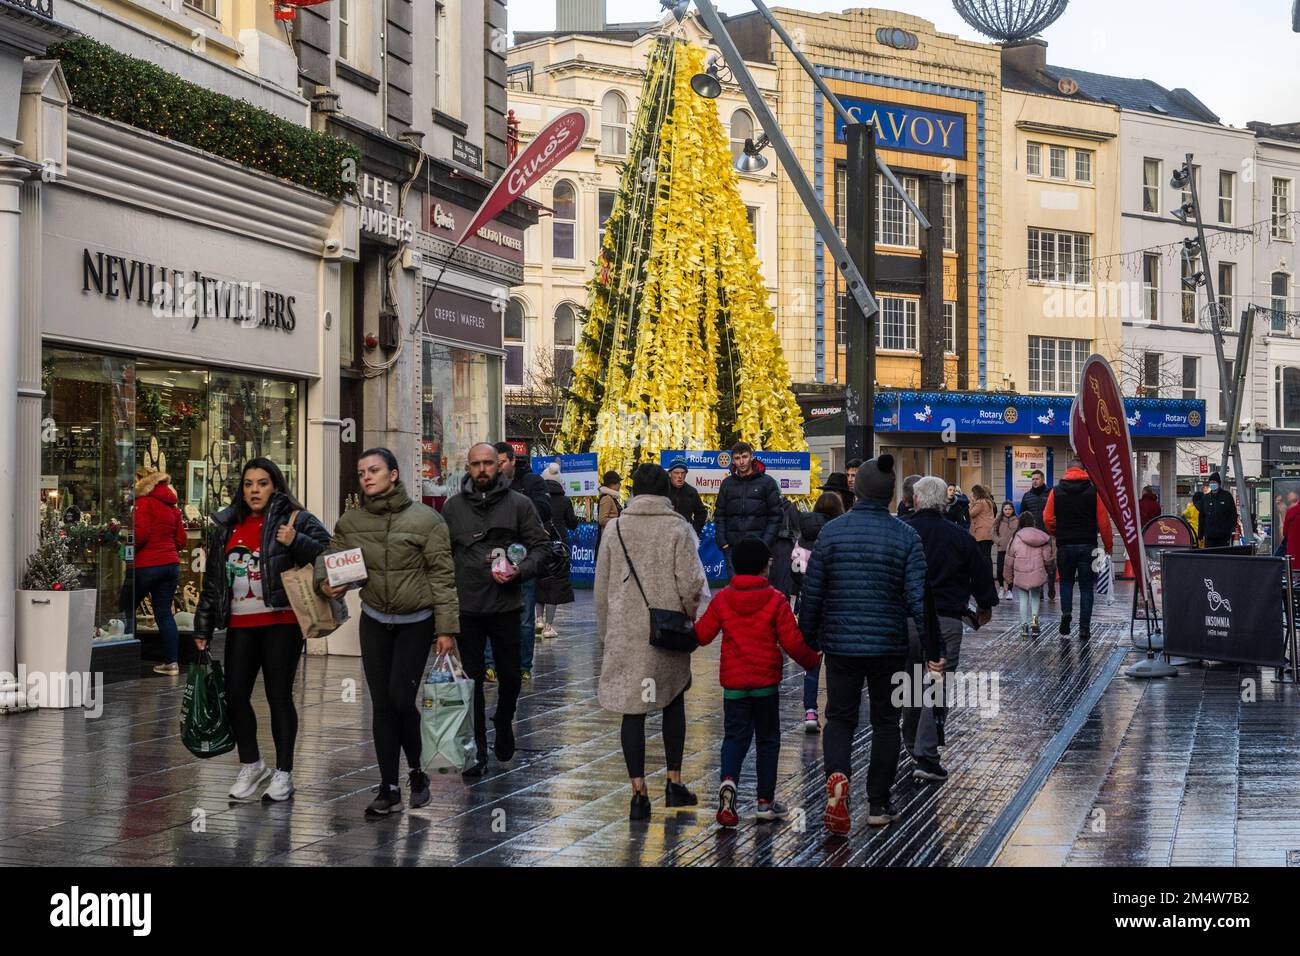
(175, 293)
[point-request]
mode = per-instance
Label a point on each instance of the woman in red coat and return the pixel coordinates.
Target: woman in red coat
(159, 538)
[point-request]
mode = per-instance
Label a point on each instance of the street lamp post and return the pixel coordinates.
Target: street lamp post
(860, 330)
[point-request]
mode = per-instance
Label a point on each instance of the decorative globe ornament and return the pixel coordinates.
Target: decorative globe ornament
(1009, 21)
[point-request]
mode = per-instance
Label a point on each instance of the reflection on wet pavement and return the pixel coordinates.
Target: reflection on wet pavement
(121, 789)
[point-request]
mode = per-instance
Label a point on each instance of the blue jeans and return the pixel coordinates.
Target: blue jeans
(810, 681)
(1076, 560)
(743, 720)
(159, 585)
(527, 629)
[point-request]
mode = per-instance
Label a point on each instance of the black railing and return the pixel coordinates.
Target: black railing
(43, 8)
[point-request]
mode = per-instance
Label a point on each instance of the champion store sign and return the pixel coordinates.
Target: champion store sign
(558, 139)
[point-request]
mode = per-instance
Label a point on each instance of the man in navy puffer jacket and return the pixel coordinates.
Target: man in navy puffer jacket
(865, 578)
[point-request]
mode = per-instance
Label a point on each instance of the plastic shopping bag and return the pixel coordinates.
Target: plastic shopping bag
(447, 719)
(1104, 568)
(205, 730)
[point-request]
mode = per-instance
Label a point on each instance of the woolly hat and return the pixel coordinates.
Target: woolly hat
(1215, 477)
(875, 479)
(750, 556)
(678, 462)
(552, 471)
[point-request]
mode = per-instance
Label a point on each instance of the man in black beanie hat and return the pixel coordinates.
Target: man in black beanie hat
(865, 578)
(1218, 510)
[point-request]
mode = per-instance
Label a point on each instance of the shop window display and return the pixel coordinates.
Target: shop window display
(461, 405)
(107, 418)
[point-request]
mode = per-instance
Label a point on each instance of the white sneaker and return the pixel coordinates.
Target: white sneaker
(281, 787)
(251, 776)
(549, 632)
(537, 626)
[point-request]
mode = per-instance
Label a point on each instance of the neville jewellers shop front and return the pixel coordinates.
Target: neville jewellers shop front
(997, 439)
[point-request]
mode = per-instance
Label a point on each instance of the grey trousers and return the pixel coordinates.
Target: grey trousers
(920, 734)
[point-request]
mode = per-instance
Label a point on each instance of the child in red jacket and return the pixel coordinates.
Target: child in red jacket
(756, 622)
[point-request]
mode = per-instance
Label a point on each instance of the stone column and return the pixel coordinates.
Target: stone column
(13, 171)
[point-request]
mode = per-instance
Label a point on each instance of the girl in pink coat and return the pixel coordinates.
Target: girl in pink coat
(1026, 570)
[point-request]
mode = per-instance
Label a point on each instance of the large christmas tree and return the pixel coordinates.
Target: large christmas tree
(678, 348)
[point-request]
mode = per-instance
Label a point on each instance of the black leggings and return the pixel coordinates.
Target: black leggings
(393, 657)
(633, 734)
(274, 650)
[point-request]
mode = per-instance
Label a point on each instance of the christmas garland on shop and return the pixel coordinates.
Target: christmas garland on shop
(133, 91)
(679, 347)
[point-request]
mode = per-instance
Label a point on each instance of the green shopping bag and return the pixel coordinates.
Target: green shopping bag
(205, 731)
(447, 719)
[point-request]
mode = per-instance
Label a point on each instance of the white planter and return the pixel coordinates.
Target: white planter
(55, 631)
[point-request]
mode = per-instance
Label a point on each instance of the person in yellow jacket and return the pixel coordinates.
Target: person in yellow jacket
(1192, 515)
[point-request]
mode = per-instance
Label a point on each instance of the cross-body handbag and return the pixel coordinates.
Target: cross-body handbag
(669, 630)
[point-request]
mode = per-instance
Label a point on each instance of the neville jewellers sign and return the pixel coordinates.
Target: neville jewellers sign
(173, 293)
(907, 128)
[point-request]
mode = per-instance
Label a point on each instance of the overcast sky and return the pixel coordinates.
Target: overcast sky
(1239, 57)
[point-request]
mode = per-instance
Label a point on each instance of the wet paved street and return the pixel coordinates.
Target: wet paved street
(1161, 761)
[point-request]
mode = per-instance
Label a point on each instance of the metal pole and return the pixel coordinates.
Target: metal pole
(845, 116)
(860, 330)
(1225, 390)
(857, 286)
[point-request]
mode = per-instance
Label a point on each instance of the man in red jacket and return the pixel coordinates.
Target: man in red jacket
(1077, 516)
(756, 622)
(159, 539)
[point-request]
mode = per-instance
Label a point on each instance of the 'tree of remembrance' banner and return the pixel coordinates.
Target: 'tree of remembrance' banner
(1100, 437)
(560, 137)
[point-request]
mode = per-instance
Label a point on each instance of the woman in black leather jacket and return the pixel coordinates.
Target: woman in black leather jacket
(251, 543)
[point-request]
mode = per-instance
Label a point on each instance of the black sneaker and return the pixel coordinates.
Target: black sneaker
(477, 770)
(882, 814)
(929, 771)
(389, 800)
(1085, 630)
(676, 795)
(504, 746)
(640, 809)
(1065, 625)
(419, 783)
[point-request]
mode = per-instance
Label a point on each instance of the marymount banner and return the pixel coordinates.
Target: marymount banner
(560, 137)
(706, 469)
(1100, 437)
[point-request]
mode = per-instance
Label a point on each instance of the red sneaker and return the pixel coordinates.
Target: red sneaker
(727, 816)
(836, 817)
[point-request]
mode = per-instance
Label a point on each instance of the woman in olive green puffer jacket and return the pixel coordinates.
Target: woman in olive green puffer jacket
(409, 596)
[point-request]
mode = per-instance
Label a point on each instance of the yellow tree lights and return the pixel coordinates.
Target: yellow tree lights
(679, 348)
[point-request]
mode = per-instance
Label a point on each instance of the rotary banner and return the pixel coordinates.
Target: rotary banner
(1100, 437)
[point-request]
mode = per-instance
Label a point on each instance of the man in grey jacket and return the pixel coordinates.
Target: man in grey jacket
(484, 520)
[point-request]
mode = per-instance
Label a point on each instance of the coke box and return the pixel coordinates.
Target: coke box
(345, 567)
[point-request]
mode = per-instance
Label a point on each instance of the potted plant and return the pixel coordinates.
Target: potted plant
(55, 625)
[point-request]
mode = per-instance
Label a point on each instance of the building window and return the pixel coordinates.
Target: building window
(841, 310)
(1287, 400)
(897, 324)
(564, 227)
(1281, 215)
(950, 327)
(604, 209)
(1151, 374)
(1227, 191)
(348, 29)
(895, 224)
(566, 337)
(1151, 185)
(1060, 257)
(1083, 165)
(514, 336)
(841, 202)
(1191, 376)
(439, 56)
(1279, 300)
(1151, 286)
(742, 128)
(1226, 270)
(1056, 364)
(613, 124)
(1056, 155)
(950, 217)
(1033, 159)
(751, 214)
(203, 6)
(1188, 295)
